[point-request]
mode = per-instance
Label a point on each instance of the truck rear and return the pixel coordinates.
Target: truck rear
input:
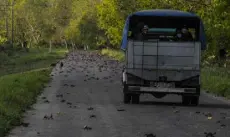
(162, 64)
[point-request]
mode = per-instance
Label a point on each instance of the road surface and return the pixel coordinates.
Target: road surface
(85, 100)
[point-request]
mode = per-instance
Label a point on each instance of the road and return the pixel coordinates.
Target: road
(85, 100)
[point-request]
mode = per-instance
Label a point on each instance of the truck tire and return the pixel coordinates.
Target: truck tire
(126, 98)
(195, 100)
(186, 100)
(135, 99)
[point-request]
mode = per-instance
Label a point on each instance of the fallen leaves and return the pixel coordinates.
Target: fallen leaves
(69, 103)
(176, 111)
(87, 128)
(120, 109)
(25, 124)
(61, 64)
(208, 114)
(209, 134)
(59, 96)
(222, 125)
(60, 113)
(150, 135)
(46, 117)
(92, 116)
(90, 108)
(72, 85)
(209, 118)
(46, 101)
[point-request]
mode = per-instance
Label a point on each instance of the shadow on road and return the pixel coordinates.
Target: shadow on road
(222, 106)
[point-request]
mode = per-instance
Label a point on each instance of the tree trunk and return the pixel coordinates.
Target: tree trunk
(50, 49)
(25, 45)
(22, 45)
(66, 45)
(30, 43)
(7, 28)
(73, 45)
(84, 47)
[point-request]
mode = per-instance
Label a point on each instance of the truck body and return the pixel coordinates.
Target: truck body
(160, 64)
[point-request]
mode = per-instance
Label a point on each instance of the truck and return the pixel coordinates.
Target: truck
(162, 55)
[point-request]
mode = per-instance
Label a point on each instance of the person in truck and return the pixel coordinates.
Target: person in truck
(142, 33)
(186, 35)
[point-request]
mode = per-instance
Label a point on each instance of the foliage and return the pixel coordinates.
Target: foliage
(118, 55)
(216, 80)
(98, 23)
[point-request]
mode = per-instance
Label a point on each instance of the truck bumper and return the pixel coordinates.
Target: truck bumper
(158, 90)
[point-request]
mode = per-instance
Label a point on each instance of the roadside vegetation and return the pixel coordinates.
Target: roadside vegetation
(23, 75)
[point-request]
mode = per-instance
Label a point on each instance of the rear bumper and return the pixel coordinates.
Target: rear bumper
(155, 90)
(131, 80)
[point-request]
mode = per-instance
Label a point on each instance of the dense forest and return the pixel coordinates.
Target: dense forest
(98, 23)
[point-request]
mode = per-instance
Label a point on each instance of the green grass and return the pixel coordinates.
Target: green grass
(22, 61)
(214, 80)
(22, 79)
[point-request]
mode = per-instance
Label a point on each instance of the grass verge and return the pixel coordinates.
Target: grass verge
(36, 58)
(22, 79)
(214, 80)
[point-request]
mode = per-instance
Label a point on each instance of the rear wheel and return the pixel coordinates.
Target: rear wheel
(195, 100)
(190, 100)
(135, 99)
(185, 100)
(126, 96)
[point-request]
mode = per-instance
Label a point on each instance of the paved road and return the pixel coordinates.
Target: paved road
(85, 100)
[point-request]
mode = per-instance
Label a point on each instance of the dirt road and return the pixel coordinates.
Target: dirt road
(85, 100)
